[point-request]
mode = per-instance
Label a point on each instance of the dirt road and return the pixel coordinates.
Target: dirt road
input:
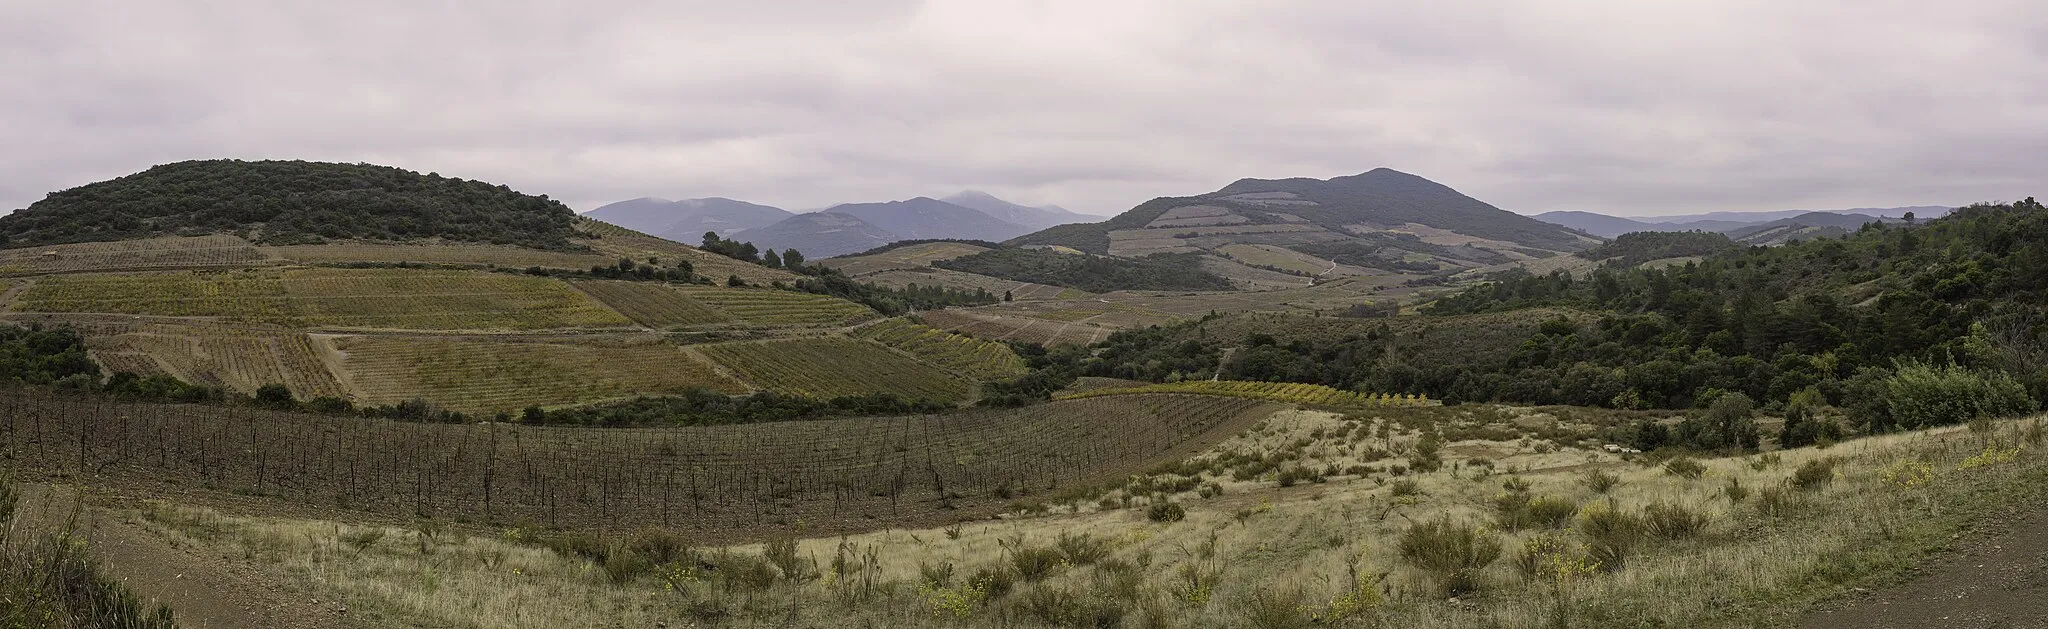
(205, 591)
(1998, 580)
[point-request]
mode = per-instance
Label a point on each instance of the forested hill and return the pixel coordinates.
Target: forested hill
(1840, 319)
(289, 202)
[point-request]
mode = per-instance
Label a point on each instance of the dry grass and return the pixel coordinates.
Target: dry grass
(1310, 547)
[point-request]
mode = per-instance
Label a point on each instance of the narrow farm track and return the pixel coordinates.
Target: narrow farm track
(1994, 580)
(203, 590)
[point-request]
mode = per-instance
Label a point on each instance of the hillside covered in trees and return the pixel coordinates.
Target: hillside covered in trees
(290, 202)
(1635, 248)
(1954, 305)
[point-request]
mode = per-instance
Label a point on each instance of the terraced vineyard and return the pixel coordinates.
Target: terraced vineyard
(958, 353)
(653, 305)
(238, 358)
(476, 376)
(437, 253)
(763, 306)
(131, 255)
(1275, 391)
(1020, 291)
(359, 298)
(829, 367)
(724, 483)
(987, 323)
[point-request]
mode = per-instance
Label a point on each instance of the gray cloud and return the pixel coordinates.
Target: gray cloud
(1665, 107)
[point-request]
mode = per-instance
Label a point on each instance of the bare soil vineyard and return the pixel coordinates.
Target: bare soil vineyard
(828, 367)
(131, 255)
(239, 358)
(959, 353)
(483, 376)
(994, 325)
(436, 253)
(724, 483)
(367, 298)
(653, 305)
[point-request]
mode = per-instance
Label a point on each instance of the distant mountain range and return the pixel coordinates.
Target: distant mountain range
(1607, 226)
(1035, 218)
(1382, 219)
(840, 229)
(686, 220)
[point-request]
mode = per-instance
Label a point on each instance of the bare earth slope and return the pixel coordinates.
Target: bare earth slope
(203, 590)
(1998, 580)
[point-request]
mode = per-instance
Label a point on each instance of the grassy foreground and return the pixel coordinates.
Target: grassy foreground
(1537, 536)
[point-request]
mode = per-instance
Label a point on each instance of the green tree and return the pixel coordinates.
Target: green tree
(771, 260)
(793, 260)
(275, 396)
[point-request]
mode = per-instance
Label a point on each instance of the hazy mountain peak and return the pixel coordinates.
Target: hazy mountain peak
(688, 219)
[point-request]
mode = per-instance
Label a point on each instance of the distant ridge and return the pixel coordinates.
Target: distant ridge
(1608, 226)
(1382, 218)
(856, 227)
(688, 219)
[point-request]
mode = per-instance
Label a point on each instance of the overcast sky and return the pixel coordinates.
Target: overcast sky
(1625, 107)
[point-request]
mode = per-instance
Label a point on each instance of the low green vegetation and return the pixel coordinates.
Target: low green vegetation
(709, 408)
(1638, 247)
(1092, 273)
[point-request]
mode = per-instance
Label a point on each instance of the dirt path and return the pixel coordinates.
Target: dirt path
(1999, 580)
(205, 591)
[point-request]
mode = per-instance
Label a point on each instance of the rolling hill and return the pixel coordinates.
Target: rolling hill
(1382, 219)
(688, 219)
(291, 202)
(325, 278)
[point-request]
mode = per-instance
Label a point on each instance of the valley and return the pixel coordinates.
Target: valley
(1361, 401)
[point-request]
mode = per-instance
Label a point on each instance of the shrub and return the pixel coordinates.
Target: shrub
(661, 547)
(1612, 535)
(996, 581)
(1670, 521)
(937, 575)
(782, 553)
(1813, 474)
(1404, 488)
(1530, 561)
(1061, 607)
(1727, 422)
(1600, 481)
(1276, 608)
(1919, 395)
(1035, 564)
(1735, 491)
(1685, 467)
(1776, 502)
(1516, 511)
(1805, 421)
(1166, 512)
(1453, 552)
(623, 566)
(1083, 549)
